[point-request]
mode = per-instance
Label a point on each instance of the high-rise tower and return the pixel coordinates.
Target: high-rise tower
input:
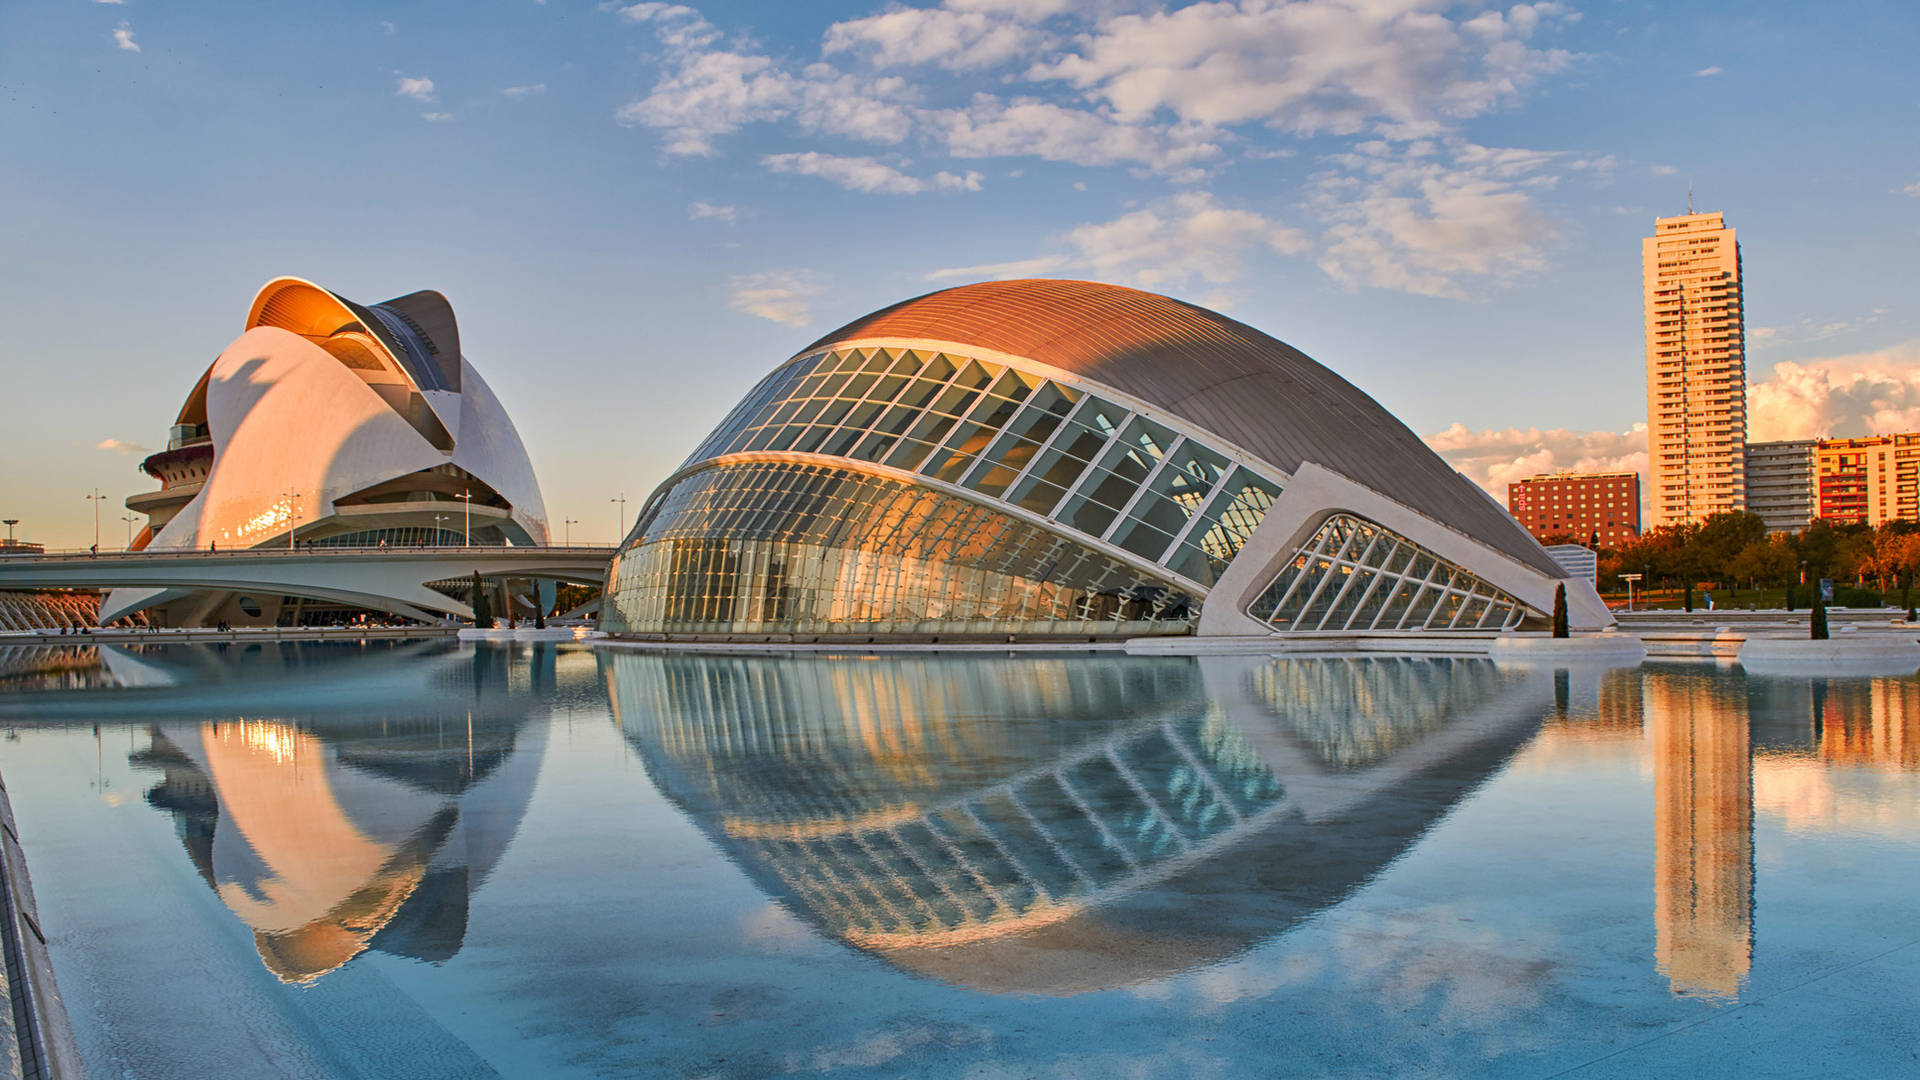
(1696, 368)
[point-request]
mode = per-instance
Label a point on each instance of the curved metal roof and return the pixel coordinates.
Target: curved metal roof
(1257, 392)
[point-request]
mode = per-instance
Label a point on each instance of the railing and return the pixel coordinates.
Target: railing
(316, 551)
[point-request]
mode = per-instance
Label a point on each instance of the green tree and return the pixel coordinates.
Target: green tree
(482, 610)
(1817, 626)
(1560, 611)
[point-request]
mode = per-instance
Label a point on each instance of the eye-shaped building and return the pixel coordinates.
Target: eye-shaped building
(353, 425)
(1068, 459)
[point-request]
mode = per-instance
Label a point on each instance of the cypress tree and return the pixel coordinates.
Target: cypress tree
(482, 610)
(1560, 611)
(1818, 624)
(1689, 599)
(539, 617)
(1789, 596)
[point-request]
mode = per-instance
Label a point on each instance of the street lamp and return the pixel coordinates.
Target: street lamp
(620, 526)
(437, 519)
(293, 518)
(570, 523)
(96, 499)
(129, 519)
(466, 530)
(10, 523)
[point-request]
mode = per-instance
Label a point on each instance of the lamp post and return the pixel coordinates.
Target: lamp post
(620, 526)
(129, 519)
(10, 523)
(570, 523)
(466, 529)
(96, 499)
(293, 518)
(437, 519)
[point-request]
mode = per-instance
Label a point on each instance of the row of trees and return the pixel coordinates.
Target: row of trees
(1734, 552)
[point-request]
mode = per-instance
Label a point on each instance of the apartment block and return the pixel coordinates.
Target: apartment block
(1584, 506)
(1696, 368)
(1870, 481)
(1783, 483)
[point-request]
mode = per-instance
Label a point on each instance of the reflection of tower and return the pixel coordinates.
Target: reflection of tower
(1703, 835)
(1875, 722)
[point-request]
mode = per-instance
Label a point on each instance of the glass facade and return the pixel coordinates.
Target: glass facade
(1015, 438)
(1354, 575)
(780, 547)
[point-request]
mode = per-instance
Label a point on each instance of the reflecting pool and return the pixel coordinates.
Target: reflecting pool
(420, 859)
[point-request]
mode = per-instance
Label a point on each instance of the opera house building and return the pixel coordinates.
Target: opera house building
(331, 423)
(1063, 460)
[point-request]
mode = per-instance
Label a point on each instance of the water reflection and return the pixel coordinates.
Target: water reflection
(1067, 825)
(330, 831)
(1703, 833)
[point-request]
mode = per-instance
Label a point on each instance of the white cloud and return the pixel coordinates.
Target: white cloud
(1664, 170)
(1706, 71)
(991, 127)
(1866, 393)
(1311, 66)
(437, 117)
(706, 211)
(706, 93)
(1423, 217)
(1810, 330)
(1495, 458)
(109, 1)
(419, 89)
(123, 37)
(525, 91)
(1913, 189)
(1181, 240)
(780, 295)
(867, 174)
(386, 27)
(121, 446)
(959, 35)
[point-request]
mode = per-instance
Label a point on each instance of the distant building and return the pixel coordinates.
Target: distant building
(1601, 508)
(21, 547)
(1870, 481)
(1696, 369)
(1783, 483)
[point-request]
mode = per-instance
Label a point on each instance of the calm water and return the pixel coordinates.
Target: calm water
(420, 860)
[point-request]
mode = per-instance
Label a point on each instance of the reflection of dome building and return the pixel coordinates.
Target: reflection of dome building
(1059, 826)
(1062, 458)
(349, 424)
(328, 843)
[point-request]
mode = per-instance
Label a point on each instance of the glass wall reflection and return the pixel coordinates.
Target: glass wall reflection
(1059, 826)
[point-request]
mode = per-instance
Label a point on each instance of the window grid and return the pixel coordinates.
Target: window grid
(1355, 575)
(729, 550)
(1095, 467)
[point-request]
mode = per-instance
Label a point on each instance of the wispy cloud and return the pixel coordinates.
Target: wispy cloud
(868, 175)
(1913, 189)
(437, 117)
(525, 91)
(121, 446)
(1707, 71)
(386, 26)
(706, 211)
(123, 37)
(1185, 239)
(418, 88)
(781, 296)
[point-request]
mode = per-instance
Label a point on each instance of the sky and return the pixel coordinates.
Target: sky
(638, 209)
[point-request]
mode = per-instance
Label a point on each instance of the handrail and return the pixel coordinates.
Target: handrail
(318, 551)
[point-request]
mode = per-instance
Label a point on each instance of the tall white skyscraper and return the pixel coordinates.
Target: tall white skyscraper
(1696, 369)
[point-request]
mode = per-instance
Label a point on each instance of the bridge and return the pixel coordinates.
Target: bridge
(392, 579)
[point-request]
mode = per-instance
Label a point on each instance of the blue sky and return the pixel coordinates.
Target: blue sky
(637, 209)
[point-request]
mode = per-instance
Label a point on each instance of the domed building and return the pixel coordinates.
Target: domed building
(343, 425)
(1053, 459)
